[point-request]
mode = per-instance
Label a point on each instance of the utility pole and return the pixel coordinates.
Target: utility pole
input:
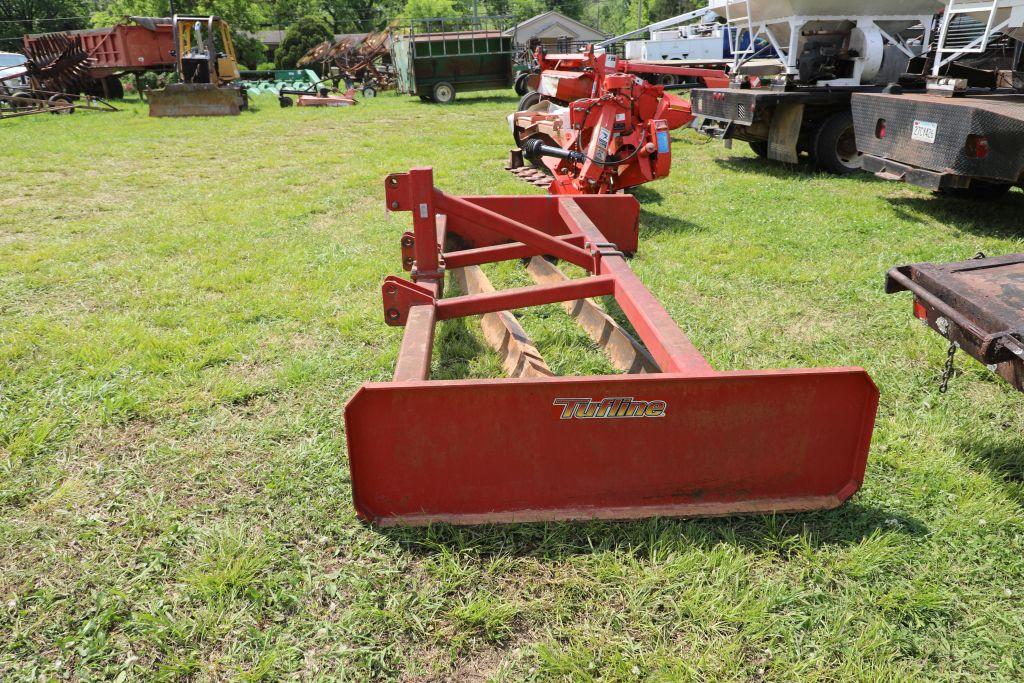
(639, 13)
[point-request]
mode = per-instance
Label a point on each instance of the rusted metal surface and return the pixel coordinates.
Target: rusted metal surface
(519, 355)
(26, 103)
(135, 45)
(346, 99)
(978, 304)
(195, 99)
(624, 351)
(685, 441)
(354, 59)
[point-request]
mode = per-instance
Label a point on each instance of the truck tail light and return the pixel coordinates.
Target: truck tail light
(977, 146)
(919, 310)
(880, 129)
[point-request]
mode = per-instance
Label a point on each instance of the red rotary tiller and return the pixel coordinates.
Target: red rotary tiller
(678, 439)
(598, 127)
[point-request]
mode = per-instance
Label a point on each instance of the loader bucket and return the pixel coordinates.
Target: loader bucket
(195, 99)
(670, 437)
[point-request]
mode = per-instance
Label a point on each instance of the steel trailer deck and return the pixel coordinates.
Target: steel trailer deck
(978, 304)
(926, 139)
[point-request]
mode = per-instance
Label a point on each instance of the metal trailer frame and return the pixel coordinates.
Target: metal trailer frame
(963, 135)
(977, 304)
(971, 145)
(461, 66)
(683, 439)
(28, 102)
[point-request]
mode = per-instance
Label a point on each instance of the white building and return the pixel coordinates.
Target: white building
(552, 28)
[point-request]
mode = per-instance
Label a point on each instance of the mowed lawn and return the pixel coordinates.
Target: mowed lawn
(186, 305)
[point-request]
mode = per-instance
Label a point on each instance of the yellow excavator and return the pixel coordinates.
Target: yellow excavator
(207, 71)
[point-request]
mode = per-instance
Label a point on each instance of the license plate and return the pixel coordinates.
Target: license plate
(924, 131)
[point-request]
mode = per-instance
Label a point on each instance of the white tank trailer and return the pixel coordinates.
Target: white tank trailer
(832, 42)
(824, 51)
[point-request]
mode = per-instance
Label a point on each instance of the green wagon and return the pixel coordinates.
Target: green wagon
(436, 58)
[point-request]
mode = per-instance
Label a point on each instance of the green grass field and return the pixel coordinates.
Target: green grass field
(186, 305)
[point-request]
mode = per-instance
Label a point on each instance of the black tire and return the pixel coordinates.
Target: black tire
(528, 100)
(444, 92)
(759, 147)
(369, 92)
(835, 147)
(61, 101)
(978, 190)
(521, 86)
(20, 100)
(285, 102)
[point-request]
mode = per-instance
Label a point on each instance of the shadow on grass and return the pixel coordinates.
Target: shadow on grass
(1003, 461)
(995, 218)
(766, 167)
(455, 346)
(652, 222)
(470, 99)
(783, 534)
(803, 168)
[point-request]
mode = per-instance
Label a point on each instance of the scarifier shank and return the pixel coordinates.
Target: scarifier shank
(687, 441)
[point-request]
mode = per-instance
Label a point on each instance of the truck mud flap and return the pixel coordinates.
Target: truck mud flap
(785, 132)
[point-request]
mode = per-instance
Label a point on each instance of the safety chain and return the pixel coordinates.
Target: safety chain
(947, 371)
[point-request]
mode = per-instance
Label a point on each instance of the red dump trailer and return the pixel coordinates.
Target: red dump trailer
(139, 44)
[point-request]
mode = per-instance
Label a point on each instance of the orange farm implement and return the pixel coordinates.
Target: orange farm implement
(594, 126)
(670, 436)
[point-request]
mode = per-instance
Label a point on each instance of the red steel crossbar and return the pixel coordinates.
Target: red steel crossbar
(686, 441)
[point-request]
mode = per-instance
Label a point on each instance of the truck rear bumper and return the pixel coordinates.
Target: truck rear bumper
(922, 177)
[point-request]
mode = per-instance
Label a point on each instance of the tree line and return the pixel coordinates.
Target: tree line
(308, 22)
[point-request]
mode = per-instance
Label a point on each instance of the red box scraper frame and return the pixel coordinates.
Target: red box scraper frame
(687, 441)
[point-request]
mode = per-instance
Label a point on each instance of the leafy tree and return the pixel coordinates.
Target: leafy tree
(18, 17)
(524, 9)
(246, 15)
(665, 9)
(287, 12)
(362, 16)
(248, 48)
(419, 9)
(242, 15)
(304, 34)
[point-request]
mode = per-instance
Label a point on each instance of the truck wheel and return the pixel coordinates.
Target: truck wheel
(835, 147)
(444, 93)
(760, 148)
(521, 85)
(978, 190)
